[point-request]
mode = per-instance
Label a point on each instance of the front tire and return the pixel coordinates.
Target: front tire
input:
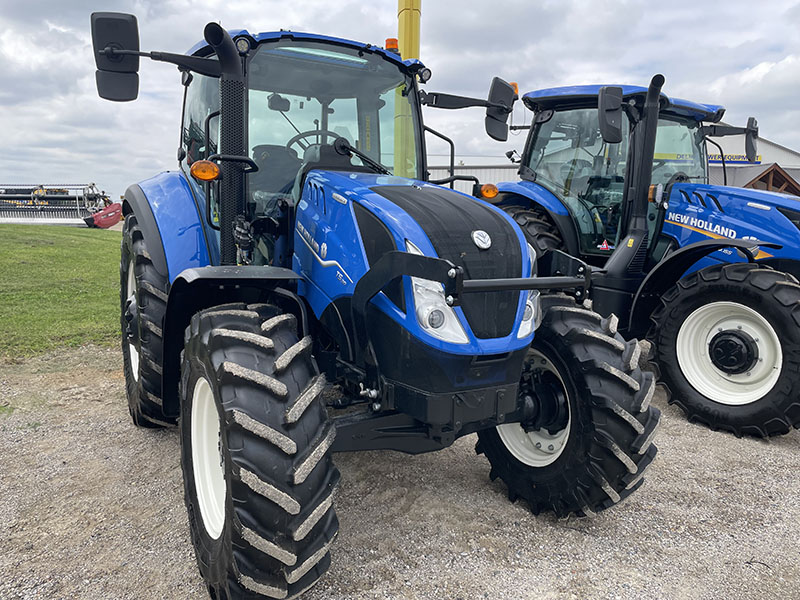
(255, 454)
(727, 342)
(539, 230)
(599, 456)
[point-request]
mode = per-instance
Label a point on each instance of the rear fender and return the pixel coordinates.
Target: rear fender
(173, 228)
(196, 289)
(530, 195)
(671, 269)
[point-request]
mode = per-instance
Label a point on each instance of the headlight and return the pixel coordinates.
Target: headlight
(531, 314)
(433, 314)
(532, 256)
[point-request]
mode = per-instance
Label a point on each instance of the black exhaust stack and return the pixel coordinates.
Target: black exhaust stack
(643, 156)
(631, 252)
(231, 137)
(613, 291)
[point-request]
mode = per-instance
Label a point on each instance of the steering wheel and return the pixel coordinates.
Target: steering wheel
(310, 133)
(574, 166)
(677, 177)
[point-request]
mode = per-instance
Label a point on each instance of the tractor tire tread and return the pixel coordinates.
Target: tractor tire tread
(610, 391)
(282, 524)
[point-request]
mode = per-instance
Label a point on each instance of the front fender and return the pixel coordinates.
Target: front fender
(171, 204)
(531, 195)
(672, 268)
(199, 288)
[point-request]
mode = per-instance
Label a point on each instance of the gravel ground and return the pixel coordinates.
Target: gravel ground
(92, 507)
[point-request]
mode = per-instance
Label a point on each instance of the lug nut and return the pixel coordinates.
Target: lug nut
(538, 444)
(550, 447)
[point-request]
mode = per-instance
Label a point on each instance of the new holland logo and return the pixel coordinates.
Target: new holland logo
(481, 239)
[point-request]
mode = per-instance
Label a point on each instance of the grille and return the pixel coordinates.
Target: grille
(448, 219)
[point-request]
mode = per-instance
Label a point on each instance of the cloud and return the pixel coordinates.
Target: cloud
(56, 129)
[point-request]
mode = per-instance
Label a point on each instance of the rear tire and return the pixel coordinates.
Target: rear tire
(756, 311)
(255, 454)
(599, 458)
(142, 345)
(540, 232)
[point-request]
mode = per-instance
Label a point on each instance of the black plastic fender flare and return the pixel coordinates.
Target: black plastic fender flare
(672, 268)
(198, 288)
(137, 203)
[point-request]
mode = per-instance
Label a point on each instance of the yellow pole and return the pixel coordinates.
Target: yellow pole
(408, 18)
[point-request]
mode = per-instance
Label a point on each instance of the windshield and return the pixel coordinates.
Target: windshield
(303, 95)
(570, 158)
(679, 148)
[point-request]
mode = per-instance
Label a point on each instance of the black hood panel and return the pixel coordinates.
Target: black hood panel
(448, 219)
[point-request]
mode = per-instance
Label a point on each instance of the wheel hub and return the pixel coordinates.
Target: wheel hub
(131, 318)
(540, 438)
(729, 353)
(544, 404)
(733, 351)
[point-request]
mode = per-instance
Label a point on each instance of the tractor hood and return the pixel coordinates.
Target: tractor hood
(717, 211)
(745, 195)
(392, 211)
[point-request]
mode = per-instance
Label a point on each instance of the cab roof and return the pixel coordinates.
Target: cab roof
(575, 96)
(203, 48)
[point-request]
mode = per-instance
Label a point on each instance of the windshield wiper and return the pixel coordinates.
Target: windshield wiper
(343, 147)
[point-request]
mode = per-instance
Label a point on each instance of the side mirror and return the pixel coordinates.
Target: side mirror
(609, 113)
(496, 116)
(278, 102)
(751, 140)
(117, 74)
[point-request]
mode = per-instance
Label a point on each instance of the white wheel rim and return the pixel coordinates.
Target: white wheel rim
(692, 347)
(537, 448)
(209, 476)
(133, 353)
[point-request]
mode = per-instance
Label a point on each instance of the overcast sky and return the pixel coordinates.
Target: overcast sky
(739, 53)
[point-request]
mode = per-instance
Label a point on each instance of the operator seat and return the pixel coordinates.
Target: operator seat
(323, 156)
(277, 167)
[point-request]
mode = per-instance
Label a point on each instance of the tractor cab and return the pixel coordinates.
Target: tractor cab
(568, 157)
(312, 102)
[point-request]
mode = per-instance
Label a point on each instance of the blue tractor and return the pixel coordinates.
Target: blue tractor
(618, 177)
(298, 246)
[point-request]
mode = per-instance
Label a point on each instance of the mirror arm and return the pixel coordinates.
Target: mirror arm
(203, 66)
(724, 130)
(434, 99)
